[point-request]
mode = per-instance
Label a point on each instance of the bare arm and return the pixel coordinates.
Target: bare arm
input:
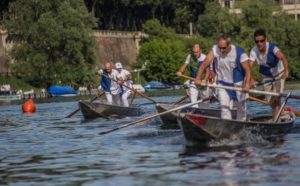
(282, 57)
(209, 59)
(246, 66)
(182, 69)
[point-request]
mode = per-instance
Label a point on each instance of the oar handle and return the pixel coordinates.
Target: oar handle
(132, 89)
(235, 88)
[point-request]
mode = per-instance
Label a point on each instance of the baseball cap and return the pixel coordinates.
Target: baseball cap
(118, 65)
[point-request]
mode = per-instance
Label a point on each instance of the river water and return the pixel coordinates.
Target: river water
(44, 148)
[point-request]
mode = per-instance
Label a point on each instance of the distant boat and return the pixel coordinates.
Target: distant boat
(6, 95)
(58, 90)
(9, 97)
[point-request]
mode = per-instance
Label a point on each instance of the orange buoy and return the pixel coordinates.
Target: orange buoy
(28, 106)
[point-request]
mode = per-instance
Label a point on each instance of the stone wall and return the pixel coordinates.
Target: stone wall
(117, 46)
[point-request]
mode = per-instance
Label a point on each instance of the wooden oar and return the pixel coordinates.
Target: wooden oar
(297, 113)
(282, 107)
(150, 117)
(132, 89)
(75, 111)
(180, 100)
(132, 98)
(240, 89)
(271, 80)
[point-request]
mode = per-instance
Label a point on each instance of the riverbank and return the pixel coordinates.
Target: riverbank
(292, 85)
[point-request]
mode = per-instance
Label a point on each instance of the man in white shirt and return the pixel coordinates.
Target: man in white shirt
(193, 62)
(232, 69)
(272, 64)
(125, 77)
(111, 88)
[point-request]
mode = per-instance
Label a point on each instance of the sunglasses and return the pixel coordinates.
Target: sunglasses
(222, 48)
(260, 41)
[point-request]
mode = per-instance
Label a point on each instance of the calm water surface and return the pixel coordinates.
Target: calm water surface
(44, 148)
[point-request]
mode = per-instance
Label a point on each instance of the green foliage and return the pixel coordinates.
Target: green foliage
(163, 59)
(53, 41)
(163, 48)
(216, 20)
(15, 83)
(154, 29)
(258, 14)
(131, 15)
(164, 52)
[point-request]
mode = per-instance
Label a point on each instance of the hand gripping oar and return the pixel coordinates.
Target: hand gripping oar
(150, 117)
(240, 89)
(75, 111)
(132, 89)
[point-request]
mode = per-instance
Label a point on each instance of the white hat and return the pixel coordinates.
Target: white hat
(118, 65)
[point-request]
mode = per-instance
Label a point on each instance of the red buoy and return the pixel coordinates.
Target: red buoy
(28, 106)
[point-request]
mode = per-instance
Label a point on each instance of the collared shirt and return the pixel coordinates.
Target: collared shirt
(114, 86)
(125, 74)
(225, 64)
(267, 60)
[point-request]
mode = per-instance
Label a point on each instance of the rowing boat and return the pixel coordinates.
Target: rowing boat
(170, 120)
(99, 109)
(203, 128)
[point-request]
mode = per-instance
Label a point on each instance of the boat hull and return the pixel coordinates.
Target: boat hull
(201, 129)
(10, 97)
(99, 109)
(170, 119)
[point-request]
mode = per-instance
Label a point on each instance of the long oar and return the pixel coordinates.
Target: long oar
(150, 117)
(271, 80)
(75, 111)
(180, 100)
(132, 89)
(297, 113)
(240, 89)
(282, 107)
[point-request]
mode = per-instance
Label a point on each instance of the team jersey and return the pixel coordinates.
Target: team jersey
(227, 65)
(124, 75)
(110, 86)
(194, 64)
(269, 64)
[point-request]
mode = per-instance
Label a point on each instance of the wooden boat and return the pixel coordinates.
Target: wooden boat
(170, 120)
(201, 129)
(99, 109)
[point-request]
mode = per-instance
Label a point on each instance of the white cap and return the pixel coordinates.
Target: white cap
(118, 65)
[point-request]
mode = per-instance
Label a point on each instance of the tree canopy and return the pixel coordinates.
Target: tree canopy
(53, 41)
(166, 59)
(130, 15)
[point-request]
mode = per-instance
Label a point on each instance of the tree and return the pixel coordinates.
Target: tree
(216, 20)
(163, 57)
(154, 29)
(53, 41)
